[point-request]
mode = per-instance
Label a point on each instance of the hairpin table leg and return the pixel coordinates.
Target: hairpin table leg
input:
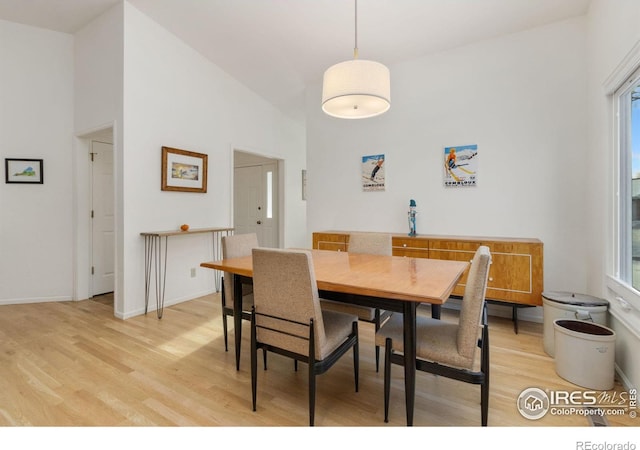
(155, 259)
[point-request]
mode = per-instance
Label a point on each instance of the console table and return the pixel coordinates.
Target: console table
(155, 260)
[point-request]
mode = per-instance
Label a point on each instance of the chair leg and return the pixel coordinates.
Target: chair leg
(224, 328)
(485, 367)
(377, 324)
(224, 319)
(254, 361)
(484, 402)
(312, 393)
(387, 378)
(312, 373)
(264, 358)
(356, 356)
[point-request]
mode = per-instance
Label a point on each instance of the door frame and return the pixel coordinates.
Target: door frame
(82, 211)
(280, 163)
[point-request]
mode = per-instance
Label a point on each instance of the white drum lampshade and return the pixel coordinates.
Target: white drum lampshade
(356, 89)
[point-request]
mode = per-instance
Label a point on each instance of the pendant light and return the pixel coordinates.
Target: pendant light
(356, 89)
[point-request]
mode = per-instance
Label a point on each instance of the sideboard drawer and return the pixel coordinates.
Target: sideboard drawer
(330, 241)
(410, 247)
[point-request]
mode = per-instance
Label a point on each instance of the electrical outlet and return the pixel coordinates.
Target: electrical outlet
(193, 272)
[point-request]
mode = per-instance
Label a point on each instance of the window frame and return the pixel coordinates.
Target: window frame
(623, 249)
(619, 282)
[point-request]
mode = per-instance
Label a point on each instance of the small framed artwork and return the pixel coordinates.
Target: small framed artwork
(461, 165)
(372, 173)
(25, 171)
(183, 170)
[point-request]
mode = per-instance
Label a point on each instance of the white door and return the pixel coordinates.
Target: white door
(255, 202)
(102, 218)
(247, 193)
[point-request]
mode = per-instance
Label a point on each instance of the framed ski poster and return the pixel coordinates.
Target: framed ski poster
(461, 165)
(373, 176)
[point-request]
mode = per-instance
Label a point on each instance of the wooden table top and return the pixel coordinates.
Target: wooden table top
(393, 277)
(189, 231)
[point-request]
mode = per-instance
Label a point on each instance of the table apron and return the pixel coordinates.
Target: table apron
(384, 303)
(364, 300)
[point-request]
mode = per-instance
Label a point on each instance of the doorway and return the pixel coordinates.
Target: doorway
(256, 197)
(95, 211)
(102, 218)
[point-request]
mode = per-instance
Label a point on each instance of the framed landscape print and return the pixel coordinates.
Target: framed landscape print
(25, 171)
(183, 170)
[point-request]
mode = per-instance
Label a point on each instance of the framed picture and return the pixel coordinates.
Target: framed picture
(372, 173)
(183, 170)
(25, 171)
(461, 165)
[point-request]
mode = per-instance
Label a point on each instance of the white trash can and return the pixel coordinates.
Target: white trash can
(568, 305)
(585, 353)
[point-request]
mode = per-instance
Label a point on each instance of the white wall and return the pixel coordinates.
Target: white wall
(134, 76)
(613, 35)
(521, 98)
(98, 104)
(99, 71)
(174, 97)
(36, 121)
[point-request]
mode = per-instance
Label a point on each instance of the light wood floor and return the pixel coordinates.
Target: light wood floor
(74, 364)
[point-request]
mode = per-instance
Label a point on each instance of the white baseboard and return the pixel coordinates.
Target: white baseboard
(20, 301)
(153, 307)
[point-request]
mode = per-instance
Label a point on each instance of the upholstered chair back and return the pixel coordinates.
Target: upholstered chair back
(473, 303)
(372, 243)
(284, 286)
(236, 246)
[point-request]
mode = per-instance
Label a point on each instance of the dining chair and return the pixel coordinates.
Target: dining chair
(375, 244)
(235, 246)
(446, 348)
(287, 318)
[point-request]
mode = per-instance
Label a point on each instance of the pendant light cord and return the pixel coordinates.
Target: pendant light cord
(355, 49)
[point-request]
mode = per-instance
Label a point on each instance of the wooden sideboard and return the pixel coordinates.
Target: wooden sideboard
(515, 276)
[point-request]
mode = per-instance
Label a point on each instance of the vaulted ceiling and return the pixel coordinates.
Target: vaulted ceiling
(277, 47)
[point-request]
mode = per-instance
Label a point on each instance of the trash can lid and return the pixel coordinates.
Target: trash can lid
(571, 298)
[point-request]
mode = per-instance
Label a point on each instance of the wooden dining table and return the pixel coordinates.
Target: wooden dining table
(392, 283)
